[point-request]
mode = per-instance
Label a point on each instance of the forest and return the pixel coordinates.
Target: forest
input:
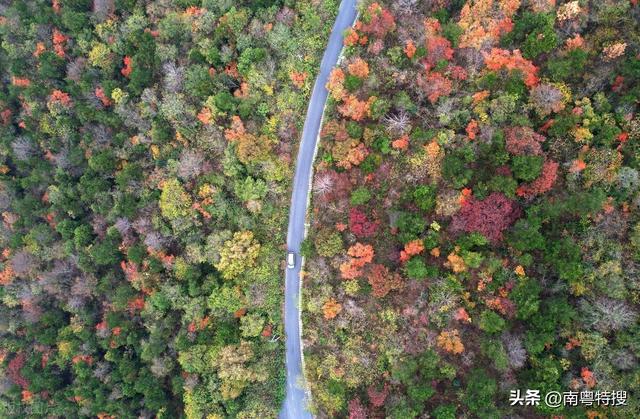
(476, 213)
(147, 149)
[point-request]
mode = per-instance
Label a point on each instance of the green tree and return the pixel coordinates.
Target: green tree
(479, 394)
(491, 322)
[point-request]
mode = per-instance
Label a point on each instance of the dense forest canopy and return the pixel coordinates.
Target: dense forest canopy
(476, 205)
(146, 152)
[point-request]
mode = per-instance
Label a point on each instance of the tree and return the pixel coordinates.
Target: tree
(175, 202)
(434, 85)
(527, 168)
(535, 32)
(491, 322)
(361, 254)
(415, 268)
(238, 254)
(378, 397)
(360, 196)
(526, 296)
(484, 21)
(377, 21)
(412, 248)
(233, 370)
(249, 147)
(445, 411)
(335, 84)
(251, 325)
(358, 68)
(424, 196)
(490, 217)
(410, 49)
(449, 340)
(499, 59)
(479, 393)
(357, 410)
(128, 67)
(438, 49)
(356, 109)
(360, 225)
(328, 243)
(542, 184)
(331, 308)
(523, 141)
(382, 280)
(349, 153)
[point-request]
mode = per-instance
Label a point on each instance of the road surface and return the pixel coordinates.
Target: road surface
(295, 403)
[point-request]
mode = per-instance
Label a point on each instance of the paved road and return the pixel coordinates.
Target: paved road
(294, 405)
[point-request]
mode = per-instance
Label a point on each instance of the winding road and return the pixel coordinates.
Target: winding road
(295, 403)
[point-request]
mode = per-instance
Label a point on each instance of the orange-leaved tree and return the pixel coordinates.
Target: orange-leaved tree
(450, 341)
(412, 248)
(331, 308)
(382, 280)
(356, 109)
(361, 254)
(358, 68)
(499, 59)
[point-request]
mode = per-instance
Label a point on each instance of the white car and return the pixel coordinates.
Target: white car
(291, 260)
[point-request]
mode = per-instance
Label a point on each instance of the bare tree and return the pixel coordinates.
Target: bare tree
(397, 124)
(323, 183)
(123, 225)
(102, 371)
(75, 69)
(191, 164)
(606, 314)
(23, 149)
(102, 9)
(547, 98)
(624, 359)
(22, 263)
(154, 240)
(286, 16)
(173, 77)
(161, 366)
(515, 351)
(101, 134)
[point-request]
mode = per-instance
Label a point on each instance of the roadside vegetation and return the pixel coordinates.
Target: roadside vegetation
(146, 155)
(475, 221)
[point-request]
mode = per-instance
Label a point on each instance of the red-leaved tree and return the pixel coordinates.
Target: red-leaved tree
(490, 217)
(523, 140)
(378, 21)
(377, 397)
(13, 371)
(543, 183)
(360, 225)
(357, 410)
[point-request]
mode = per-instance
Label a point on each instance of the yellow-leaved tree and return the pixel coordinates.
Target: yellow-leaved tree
(238, 254)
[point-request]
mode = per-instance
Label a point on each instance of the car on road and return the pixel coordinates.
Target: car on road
(291, 260)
